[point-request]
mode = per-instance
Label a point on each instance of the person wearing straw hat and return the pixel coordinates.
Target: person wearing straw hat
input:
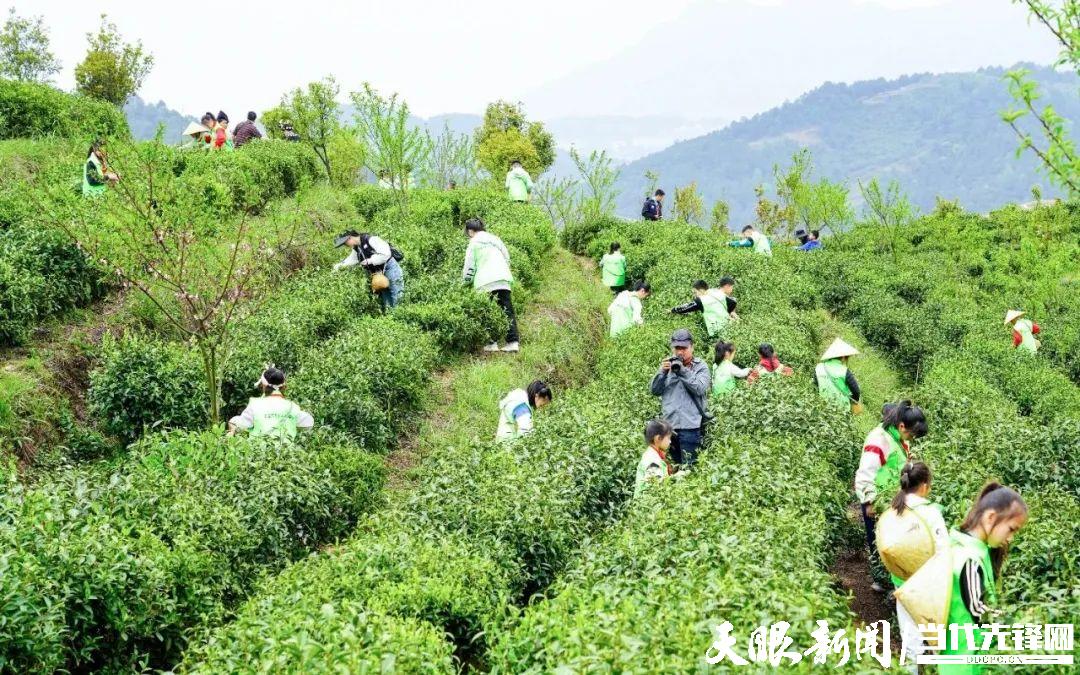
(1024, 331)
(380, 259)
(271, 414)
(835, 382)
(196, 132)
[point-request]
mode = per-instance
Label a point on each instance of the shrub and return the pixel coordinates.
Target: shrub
(145, 383)
(32, 110)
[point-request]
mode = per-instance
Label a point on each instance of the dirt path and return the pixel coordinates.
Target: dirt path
(852, 573)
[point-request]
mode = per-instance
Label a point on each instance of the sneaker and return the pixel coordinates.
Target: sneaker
(493, 347)
(512, 347)
(877, 588)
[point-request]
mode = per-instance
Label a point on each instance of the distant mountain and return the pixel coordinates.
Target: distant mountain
(732, 58)
(143, 118)
(936, 134)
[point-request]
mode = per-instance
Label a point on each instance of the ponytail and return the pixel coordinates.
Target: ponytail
(1005, 502)
(615, 246)
(723, 349)
(903, 412)
(913, 476)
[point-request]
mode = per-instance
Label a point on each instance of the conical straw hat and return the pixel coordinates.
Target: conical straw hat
(838, 349)
(1013, 315)
(194, 128)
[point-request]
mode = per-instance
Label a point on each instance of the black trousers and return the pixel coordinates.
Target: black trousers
(502, 297)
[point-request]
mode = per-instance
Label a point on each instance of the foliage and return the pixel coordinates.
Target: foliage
(689, 205)
(175, 534)
(31, 110)
(393, 149)
(557, 196)
(314, 114)
(1057, 151)
(720, 216)
(162, 235)
(507, 135)
(598, 178)
(450, 158)
(113, 70)
(889, 210)
(24, 49)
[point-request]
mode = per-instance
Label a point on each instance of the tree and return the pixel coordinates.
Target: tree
(689, 205)
(1056, 150)
(766, 211)
(810, 205)
(314, 114)
(598, 177)
(24, 50)
(507, 135)
(652, 179)
(392, 147)
(167, 237)
(721, 215)
(888, 208)
(450, 157)
(113, 70)
(559, 198)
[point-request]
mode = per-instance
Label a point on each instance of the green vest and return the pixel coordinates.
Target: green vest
(622, 310)
(1027, 338)
(723, 382)
(613, 269)
(651, 459)
(887, 479)
(89, 190)
(761, 244)
(964, 548)
(488, 261)
(714, 308)
(507, 424)
(832, 383)
(274, 416)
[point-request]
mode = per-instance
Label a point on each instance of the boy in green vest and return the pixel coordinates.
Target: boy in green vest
(272, 414)
(715, 304)
(96, 177)
(835, 382)
(753, 239)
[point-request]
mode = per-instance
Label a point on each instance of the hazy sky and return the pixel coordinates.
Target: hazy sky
(442, 56)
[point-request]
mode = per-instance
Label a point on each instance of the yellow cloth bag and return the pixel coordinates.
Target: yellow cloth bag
(927, 593)
(904, 542)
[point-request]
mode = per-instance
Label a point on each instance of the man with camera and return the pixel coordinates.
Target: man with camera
(683, 384)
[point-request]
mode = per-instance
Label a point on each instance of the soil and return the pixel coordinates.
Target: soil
(853, 573)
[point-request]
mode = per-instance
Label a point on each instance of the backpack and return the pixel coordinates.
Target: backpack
(648, 209)
(368, 251)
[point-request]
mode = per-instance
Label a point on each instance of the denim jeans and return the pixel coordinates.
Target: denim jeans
(684, 447)
(392, 296)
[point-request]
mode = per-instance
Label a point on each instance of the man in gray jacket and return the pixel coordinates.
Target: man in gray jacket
(683, 385)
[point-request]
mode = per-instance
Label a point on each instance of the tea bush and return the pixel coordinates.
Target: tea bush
(32, 110)
(110, 568)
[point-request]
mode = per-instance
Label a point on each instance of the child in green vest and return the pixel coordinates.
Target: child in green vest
(912, 497)
(272, 414)
(1024, 331)
(725, 372)
(715, 304)
(885, 451)
(979, 549)
(625, 309)
(654, 465)
(835, 382)
(613, 269)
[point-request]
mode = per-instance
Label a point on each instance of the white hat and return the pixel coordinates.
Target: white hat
(838, 349)
(194, 128)
(1013, 315)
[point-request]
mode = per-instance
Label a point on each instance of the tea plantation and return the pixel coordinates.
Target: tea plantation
(399, 535)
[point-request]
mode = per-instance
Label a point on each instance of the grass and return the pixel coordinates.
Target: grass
(878, 381)
(561, 323)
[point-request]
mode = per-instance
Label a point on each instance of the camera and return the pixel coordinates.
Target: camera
(676, 364)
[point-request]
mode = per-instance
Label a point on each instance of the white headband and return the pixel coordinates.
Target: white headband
(262, 380)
